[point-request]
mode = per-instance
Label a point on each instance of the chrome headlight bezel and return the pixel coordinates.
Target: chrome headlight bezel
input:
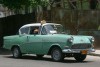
(92, 39)
(70, 39)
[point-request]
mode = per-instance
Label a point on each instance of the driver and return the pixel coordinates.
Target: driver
(36, 31)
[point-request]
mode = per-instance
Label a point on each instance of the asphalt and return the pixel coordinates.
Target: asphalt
(6, 52)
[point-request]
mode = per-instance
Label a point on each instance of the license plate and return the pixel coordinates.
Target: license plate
(84, 52)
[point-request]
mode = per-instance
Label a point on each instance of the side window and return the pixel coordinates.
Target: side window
(43, 32)
(34, 30)
(24, 30)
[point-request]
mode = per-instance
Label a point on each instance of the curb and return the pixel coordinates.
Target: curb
(94, 54)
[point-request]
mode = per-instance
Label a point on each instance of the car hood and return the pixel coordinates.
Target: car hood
(81, 39)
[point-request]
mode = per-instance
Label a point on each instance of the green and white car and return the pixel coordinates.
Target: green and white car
(49, 39)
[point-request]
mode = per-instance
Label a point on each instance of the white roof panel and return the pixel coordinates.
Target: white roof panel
(36, 24)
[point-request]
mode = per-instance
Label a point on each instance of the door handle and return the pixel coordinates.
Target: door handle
(27, 38)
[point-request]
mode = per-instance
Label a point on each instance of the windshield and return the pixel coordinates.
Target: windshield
(54, 29)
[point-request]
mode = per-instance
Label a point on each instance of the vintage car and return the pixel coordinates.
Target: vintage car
(48, 39)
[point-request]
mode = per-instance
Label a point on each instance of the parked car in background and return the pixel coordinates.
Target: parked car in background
(48, 39)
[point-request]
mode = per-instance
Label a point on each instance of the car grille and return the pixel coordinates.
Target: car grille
(81, 46)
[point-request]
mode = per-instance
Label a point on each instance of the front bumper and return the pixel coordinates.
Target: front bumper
(78, 50)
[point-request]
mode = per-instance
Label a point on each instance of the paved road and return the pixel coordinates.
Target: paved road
(32, 61)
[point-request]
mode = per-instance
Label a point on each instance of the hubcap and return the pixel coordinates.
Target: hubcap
(15, 52)
(56, 55)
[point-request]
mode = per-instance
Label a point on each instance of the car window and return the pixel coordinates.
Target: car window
(34, 30)
(24, 30)
(43, 32)
(55, 29)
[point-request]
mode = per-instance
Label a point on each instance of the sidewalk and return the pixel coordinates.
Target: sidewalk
(96, 53)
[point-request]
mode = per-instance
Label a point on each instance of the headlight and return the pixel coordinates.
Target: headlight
(92, 39)
(71, 39)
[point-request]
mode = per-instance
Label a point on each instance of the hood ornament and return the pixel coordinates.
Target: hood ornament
(81, 40)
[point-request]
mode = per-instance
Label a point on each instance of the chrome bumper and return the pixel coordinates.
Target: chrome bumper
(77, 50)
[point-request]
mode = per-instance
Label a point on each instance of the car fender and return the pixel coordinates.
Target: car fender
(52, 46)
(17, 45)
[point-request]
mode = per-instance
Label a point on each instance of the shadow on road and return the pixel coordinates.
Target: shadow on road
(4, 51)
(49, 59)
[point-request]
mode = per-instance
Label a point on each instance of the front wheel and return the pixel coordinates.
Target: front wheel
(57, 54)
(16, 52)
(80, 57)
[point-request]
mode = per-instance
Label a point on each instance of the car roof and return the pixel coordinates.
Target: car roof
(37, 24)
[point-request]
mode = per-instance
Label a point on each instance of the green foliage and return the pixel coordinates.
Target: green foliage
(1, 1)
(43, 3)
(18, 4)
(15, 4)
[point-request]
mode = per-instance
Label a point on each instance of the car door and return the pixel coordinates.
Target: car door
(23, 39)
(35, 41)
(46, 40)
